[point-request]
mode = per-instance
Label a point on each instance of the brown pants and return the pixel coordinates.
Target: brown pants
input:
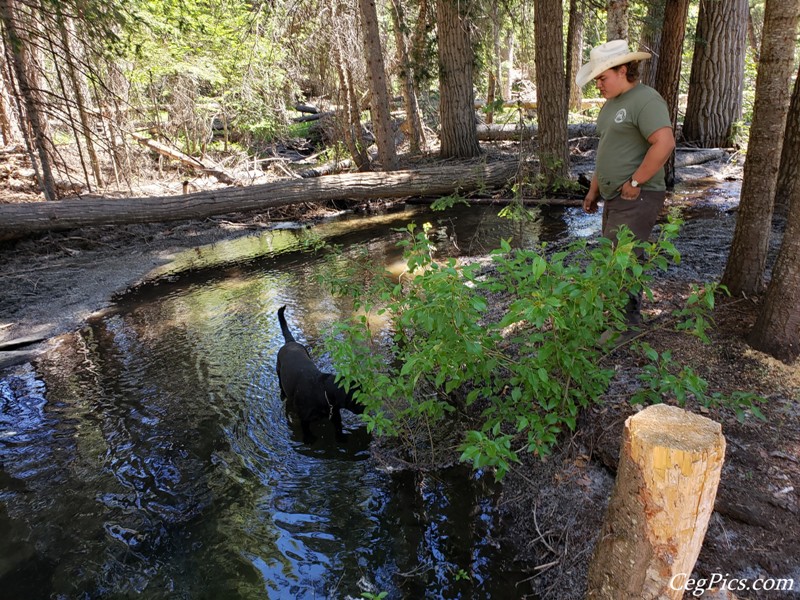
(639, 215)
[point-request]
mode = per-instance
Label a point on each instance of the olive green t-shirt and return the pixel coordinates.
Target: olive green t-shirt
(624, 124)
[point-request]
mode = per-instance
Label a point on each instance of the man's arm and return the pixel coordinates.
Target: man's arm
(592, 196)
(662, 143)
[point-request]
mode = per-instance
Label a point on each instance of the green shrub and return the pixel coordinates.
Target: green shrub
(526, 372)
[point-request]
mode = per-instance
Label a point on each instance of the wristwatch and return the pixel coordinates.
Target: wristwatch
(634, 183)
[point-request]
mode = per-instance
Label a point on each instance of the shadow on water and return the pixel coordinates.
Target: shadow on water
(150, 454)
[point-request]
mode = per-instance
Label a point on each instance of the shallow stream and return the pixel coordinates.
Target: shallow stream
(149, 454)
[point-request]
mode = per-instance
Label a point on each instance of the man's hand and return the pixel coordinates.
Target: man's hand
(590, 203)
(628, 192)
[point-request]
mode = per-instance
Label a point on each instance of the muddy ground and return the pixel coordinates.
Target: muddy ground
(550, 510)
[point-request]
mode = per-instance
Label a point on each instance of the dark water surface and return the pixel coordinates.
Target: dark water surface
(149, 455)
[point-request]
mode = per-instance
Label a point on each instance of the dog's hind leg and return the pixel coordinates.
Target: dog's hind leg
(336, 419)
(308, 437)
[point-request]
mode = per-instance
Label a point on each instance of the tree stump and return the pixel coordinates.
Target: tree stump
(669, 470)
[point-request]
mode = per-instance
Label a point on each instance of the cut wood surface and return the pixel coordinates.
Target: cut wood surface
(669, 469)
(17, 220)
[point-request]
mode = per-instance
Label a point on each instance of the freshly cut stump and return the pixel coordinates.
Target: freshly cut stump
(669, 470)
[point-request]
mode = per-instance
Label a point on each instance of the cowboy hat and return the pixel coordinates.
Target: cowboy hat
(605, 56)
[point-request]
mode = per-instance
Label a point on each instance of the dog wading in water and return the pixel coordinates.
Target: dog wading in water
(309, 392)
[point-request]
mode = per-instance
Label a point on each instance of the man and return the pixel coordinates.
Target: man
(636, 140)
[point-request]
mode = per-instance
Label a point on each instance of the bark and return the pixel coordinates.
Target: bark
(748, 256)
(574, 52)
(8, 120)
(20, 219)
(789, 170)
(419, 41)
(459, 138)
(379, 95)
(494, 76)
(669, 65)
(507, 59)
(617, 24)
(669, 470)
(650, 41)
(18, 54)
(80, 98)
(717, 78)
(350, 113)
(413, 128)
(777, 329)
(752, 38)
(551, 91)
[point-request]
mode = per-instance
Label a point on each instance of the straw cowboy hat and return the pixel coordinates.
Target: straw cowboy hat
(605, 56)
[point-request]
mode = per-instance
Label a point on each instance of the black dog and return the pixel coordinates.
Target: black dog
(314, 395)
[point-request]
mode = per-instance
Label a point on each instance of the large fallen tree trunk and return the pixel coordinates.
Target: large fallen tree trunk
(18, 220)
(513, 132)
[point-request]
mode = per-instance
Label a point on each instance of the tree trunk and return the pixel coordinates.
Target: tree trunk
(617, 24)
(414, 128)
(650, 41)
(748, 256)
(379, 95)
(20, 219)
(717, 78)
(574, 52)
(459, 138)
(777, 330)
(18, 53)
(494, 77)
(419, 42)
(350, 113)
(752, 38)
(551, 91)
(789, 170)
(669, 470)
(669, 66)
(80, 98)
(9, 121)
(507, 58)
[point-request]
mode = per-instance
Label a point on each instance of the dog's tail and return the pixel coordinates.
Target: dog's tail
(287, 335)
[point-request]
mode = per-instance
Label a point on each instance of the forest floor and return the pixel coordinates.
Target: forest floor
(549, 510)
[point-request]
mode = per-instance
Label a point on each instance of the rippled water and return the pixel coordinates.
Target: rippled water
(149, 455)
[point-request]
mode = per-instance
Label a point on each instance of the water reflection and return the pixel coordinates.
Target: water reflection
(150, 453)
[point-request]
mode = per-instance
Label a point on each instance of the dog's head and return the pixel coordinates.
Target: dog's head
(341, 398)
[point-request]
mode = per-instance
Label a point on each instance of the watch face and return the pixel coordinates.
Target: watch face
(634, 183)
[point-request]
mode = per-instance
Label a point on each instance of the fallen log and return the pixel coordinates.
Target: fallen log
(312, 117)
(698, 156)
(20, 219)
(513, 132)
(185, 159)
(306, 108)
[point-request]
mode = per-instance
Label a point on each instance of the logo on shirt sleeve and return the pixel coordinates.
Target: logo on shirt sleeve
(620, 116)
